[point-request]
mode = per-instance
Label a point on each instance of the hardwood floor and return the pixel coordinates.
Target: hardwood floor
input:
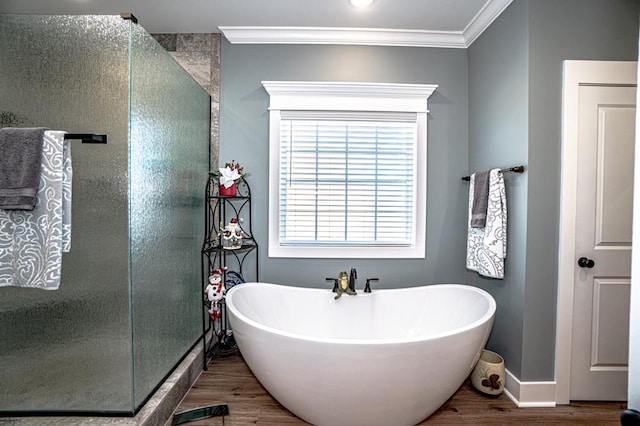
(229, 381)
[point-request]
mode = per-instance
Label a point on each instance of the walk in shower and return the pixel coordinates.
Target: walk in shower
(128, 308)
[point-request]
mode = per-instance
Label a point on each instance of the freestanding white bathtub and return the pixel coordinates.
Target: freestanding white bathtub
(390, 357)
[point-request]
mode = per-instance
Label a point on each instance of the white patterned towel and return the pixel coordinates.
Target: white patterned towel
(487, 247)
(32, 242)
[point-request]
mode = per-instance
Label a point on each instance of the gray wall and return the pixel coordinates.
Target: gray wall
(498, 105)
(573, 29)
(244, 137)
(498, 122)
(523, 50)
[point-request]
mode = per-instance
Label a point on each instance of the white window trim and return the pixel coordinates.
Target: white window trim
(345, 96)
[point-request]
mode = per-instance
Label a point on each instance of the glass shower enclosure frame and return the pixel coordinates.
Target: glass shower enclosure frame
(129, 306)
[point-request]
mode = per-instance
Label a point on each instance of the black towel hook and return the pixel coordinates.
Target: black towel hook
(87, 137)
(516, 169)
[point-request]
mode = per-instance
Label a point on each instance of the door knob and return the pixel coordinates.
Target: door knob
(584, 262)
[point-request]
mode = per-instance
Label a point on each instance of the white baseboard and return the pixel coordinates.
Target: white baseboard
(530, 394)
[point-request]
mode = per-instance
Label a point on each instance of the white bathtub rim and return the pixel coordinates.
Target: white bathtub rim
(487, 317)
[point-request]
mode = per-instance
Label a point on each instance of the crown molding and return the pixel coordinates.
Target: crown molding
(333, 35)
(483, 19)
(369, 36)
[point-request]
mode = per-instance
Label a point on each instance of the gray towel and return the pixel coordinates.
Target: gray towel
(480, 199)
(20, 158)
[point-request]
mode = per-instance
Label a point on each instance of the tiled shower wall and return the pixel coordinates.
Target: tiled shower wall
(199, 55)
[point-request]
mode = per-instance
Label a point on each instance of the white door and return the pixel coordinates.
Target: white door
(602, 277)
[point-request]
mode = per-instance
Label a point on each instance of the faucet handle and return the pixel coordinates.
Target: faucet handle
(335, 284)
(367, 286)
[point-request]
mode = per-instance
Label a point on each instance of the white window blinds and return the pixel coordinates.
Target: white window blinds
(347, 169)
(347, 178)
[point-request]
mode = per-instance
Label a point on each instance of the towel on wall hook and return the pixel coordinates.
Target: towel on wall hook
(487, 246)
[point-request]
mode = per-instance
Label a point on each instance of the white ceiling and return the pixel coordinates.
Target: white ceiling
(464, 19)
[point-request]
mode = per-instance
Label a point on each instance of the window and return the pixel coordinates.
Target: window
(347, 169)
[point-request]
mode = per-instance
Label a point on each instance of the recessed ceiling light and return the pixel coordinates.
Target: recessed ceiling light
(361, 3)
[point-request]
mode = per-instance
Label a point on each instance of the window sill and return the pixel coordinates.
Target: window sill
(328, 252)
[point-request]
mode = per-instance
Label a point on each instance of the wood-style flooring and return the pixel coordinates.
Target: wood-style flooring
(229, 381)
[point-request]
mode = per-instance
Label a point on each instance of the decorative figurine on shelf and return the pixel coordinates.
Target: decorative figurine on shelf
(232, 235)
(215, 292)
(343, 285)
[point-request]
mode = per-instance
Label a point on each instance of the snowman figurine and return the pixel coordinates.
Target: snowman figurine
(215, 292)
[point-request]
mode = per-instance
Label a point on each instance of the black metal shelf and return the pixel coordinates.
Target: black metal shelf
(228, 197)
(243, 260)
(246, 246)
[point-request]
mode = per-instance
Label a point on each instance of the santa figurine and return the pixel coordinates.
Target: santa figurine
(232, 234)
(215, 292)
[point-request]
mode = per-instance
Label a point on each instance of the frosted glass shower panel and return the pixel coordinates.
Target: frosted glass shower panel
(70, 349)
(169, 160)
(129, 304)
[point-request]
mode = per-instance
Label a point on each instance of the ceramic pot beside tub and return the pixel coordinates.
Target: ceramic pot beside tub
(488, 375)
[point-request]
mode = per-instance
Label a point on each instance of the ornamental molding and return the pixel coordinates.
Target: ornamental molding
(356, 89)
(348, 96)
(369, 36)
